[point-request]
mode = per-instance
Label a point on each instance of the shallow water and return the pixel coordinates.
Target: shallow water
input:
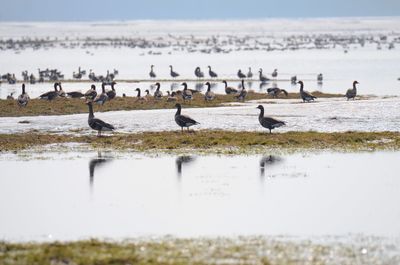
(101, 195)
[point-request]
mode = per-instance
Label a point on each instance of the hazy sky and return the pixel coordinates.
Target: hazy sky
(83, 10)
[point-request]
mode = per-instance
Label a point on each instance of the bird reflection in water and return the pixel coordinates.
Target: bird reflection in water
(263, 86)
(199, 86)
(174, 86)
(268, 161)
(180, 160)
(96, 163)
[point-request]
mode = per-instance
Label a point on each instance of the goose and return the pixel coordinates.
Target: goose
(139, 97)
(102, 98)
(23, 99)
(268, 122)
(158, 94)
(75, 94)
(91, 93)
(209, 95)
(147, 93)
(243, 93)
(171, 96)
(51, 94)
(172, 73)
(240, 74)
(229, 90)
(293, 79)
(97, 124)
(275, 73)
(275, 91)
(198, 73)
(212, 73)
(249, 73)
(183, 120)
(61, 92)
(305, 96)
(186, 93)
(320, 77)
(152, 74)
(10, 97)
(262, 77)
(111, 94)
(352, 92)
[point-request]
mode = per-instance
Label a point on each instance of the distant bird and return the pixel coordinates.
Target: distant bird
(51, 94)
(212, 73)
(158, 94)
(249, 73)
(147, 93)
(262, 77)
(172, 73)
(91, 93)
(171, 96)
(97, 124)
(111, 94)
(352, 92)
(229, 90)
(305, 96)
(102, 98)
(186, 93)
(61, 92)
(152, 74)
(11, 96)
(268, 122)
(198, 73)
(275, 73)
(275, 91)
(139, 97)
(209, 95)
(243, 93)
(183, 120)
(23, 99)
(240, 74)
(320, 77)
(293, 79)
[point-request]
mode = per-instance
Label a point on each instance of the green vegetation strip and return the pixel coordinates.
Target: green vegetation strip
(63, 106)
(212, 141)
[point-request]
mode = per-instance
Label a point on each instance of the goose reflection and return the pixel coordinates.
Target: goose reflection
(96, 163)
(174, 86)
(263, 85)
(180, 160)
(268, 161)
(199, 86)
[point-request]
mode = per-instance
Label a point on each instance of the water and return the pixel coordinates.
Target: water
(74, 196)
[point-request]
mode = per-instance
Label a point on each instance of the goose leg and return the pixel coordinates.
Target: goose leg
(270, 131)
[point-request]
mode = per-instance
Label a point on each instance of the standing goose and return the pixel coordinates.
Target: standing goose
(275, 91)
(91, 93)
(212, 73)
(97, 124)
(229, 90)
(262, 77)
(275, 73)
(172, 73)
(209, 94)
(240, 74)
(158, 94)
(23, 99)
(102, 98)
(198, 73)
(183, 120)
(249, 73)
(243, 93)
(305, 95)
(51, 94)
(111, 94)
(268, 122)
(152, 74)
(186, 93)
(61, 92)
(352, 92)
(139, 97)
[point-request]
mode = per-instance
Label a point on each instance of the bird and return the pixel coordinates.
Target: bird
(139, 97)
(275, 73)
(97, 124)
(91, 93)
(209, 95)
(229, 90)
(147, 93)
(75, 94)
(158, 94)
(172, 73)
(305, 96)
(183, 120)
(171, 96)
(249, 73)
(11, 96)
(212, 73)
(23, 99)
(51, 94)
(243, 93)
(102, 98)
(186, 93)
(293, 80)
(198, 73)
(240, 74)
(111, 94)
(262, 77)
(352, 92)
(320, 77)
(268, 122)
(152, 74)
(275, 91)
(61, 92)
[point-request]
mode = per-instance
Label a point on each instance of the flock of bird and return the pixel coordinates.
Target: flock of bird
(183, 121)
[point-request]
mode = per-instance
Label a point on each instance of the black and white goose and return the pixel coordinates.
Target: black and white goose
(212, 73)
(139, 95)
(229, 90)
(243, 93)
(91, 93)
(352, 92)
(268, 122)
(152, 74)
(111, 94)
(186, 93)
(75, 94)
(275, 91)
(240, 74)
(183, 120)
(61, 92)
(51, 94)
(172, 72)
(262, 77)
(102, 98)
(209, 95)
(249, 73)
(305, 95)
(198, 73)
(275, 73)
(158, 94)
(97, 124)
(23, 99)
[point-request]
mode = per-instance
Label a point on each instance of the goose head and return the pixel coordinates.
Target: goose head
(300, 82)
(260, 107)
(355, 82)
(157, 85)
(184, 85)
(178, 106)
(93, 87)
